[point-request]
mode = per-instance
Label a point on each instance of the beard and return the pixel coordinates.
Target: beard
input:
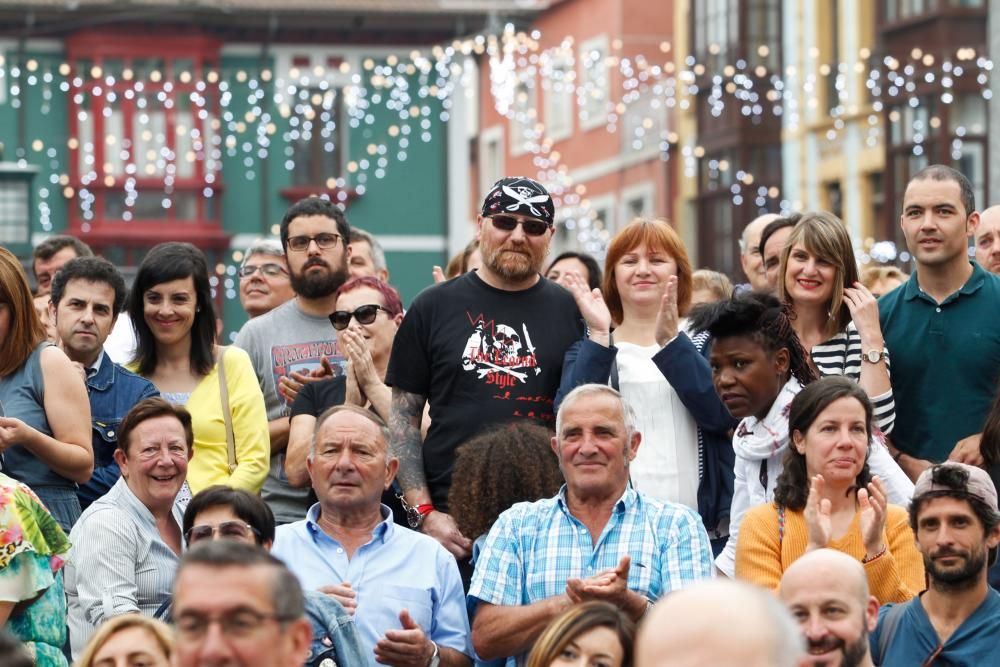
(317, 284)
(853, 653)
(512, 261)
(959, 578)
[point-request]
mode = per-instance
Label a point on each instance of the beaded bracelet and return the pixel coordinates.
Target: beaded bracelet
(866, 559)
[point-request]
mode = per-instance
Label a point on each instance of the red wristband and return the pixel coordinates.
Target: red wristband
(424, 510)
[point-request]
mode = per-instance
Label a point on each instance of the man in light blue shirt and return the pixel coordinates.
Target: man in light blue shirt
(403, 587)
(598, 539)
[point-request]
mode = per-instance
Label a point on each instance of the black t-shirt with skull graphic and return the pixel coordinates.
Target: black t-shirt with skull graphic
(481, 356)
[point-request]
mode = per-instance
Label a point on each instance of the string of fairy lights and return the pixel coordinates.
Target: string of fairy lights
(237, 118)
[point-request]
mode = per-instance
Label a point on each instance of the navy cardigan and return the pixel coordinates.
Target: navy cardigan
(684, 364)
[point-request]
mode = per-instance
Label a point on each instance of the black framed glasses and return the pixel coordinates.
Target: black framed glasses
(341, 319)
(270, 270)
(325, 241)
(235, 623)
(227, 530)
(507, 223)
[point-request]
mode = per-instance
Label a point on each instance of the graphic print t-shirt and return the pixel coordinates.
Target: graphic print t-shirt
(481, 356)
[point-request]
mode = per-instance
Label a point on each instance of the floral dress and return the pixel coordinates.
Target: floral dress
(33, 549)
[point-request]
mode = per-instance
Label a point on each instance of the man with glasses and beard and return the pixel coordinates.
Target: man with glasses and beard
(483, 348)
(956, 621)
(294, 343)
(827, 593)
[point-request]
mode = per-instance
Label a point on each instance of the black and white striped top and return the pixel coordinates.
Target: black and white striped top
(841, 355)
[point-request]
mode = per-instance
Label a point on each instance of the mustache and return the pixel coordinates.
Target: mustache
(827, 644)
(948, 551)
(315, 262)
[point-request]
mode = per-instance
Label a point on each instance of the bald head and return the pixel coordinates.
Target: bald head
(719, 623)
(751, 254)
(822, 580)
(987, 239)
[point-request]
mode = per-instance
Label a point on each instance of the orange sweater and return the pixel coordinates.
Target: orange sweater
(761, 557)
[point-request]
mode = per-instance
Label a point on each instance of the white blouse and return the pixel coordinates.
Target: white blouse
(666, 465)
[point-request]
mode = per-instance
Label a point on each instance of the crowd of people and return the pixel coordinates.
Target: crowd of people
(540, 462)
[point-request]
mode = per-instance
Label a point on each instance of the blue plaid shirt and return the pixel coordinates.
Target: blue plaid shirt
(533, 548)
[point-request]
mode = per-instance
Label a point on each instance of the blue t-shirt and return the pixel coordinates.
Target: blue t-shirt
(973, 644)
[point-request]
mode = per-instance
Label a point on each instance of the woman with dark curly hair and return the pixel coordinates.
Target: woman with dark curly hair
(758, 366)
(481, 489)
(826, 497)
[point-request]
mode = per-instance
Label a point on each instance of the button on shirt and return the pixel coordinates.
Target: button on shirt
(398, 568)
(945, 362)
(533, 548)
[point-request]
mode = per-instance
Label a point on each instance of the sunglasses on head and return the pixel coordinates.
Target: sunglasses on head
(341, 319)
(227, 530)
(507, 223)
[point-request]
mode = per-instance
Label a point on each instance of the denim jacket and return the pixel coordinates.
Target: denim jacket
(113, 391)
(335, 641)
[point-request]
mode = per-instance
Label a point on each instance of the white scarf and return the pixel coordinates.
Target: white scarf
(760, 439)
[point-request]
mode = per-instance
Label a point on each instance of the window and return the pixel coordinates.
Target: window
(638, 201)
(643, 123)
(316, 138)
(15, 210)
(144, 114)
(716, 29)
(763, 33)
(491, 167)
(834, 75)
(834, 199)
(557, 91)
(594, 91)
(524, 114)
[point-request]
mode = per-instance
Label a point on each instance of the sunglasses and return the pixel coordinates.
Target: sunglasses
(269, 270)
(507, 223)
(341, 319)
(227, 530)
(324, 241)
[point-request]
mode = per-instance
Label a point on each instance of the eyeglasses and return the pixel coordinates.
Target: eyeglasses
(228, 530)
(269, 270)
(341, 319)
(237, 624)
(325, 241)
(507, 223)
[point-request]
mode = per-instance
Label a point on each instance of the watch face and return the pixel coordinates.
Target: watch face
(413, 517)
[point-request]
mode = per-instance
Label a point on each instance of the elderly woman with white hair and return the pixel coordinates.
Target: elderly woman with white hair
(264, 280)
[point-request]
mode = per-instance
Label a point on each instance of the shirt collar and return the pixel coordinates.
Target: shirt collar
(627, 499)
(382, 532)
(976, 280)
(95, 367)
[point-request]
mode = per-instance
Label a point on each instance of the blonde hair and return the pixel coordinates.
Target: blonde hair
(159, 631)
(876, 274)
(824, 235)
(713, 281)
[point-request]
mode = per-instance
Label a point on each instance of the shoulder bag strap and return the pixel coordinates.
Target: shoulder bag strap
(226, 413)
(887, 630)
(613, 381)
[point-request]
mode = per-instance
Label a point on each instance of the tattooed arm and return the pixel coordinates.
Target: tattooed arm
(405, 444)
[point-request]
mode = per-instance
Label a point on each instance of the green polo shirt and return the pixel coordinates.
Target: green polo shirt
(945, 362)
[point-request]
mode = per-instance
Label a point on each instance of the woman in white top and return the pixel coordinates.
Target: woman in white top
(686, 456)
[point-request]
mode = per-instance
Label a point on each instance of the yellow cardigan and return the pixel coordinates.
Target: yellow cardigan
(210, 463)
(762, 557)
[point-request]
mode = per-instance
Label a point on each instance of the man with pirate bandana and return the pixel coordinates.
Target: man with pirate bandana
(481, 349)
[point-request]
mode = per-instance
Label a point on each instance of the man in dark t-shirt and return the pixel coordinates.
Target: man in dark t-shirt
(481, 349)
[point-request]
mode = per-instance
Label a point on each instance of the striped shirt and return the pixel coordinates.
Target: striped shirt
(533, 548)
(119, 564)
(841, 355)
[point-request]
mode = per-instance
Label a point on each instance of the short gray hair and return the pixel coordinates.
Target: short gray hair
(265, 245)
(378, 253)
(593, 389)
(367, 414)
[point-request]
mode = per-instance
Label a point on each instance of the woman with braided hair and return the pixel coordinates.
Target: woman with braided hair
(758, 366)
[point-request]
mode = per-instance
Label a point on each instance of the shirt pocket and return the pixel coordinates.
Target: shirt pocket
(393, 599)
(105, 440)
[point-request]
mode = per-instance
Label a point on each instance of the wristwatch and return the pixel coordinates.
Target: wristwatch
(415, 514)
(875, 356)
(436, 657)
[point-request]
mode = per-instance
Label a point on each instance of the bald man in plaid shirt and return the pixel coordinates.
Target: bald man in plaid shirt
(598, 539)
